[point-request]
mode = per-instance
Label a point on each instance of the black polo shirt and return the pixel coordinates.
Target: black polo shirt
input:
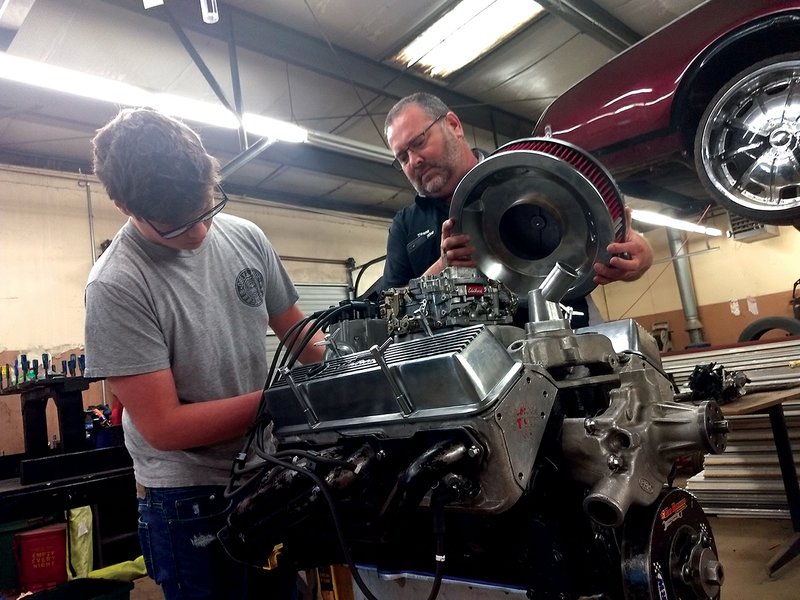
(414, 240)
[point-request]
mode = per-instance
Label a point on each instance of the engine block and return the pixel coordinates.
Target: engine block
(537, 456)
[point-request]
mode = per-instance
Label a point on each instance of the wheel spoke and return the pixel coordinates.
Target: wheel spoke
(734, 152)
(743, 127)
(747, 176)
(790, 94)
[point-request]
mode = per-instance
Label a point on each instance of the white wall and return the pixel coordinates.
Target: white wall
(723, 269)
(46, 256)
(46, 251)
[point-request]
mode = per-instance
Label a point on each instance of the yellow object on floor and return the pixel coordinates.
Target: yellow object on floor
(79, 530)
(124, 571)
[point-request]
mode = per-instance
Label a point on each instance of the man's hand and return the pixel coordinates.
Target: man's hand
(638, 257)
(456, 250)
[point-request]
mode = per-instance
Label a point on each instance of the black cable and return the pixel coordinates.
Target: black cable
(321, 322)
(362, 270)
(260, 420)
(288, 357)
(324, 460)
(438, 502)
(437, 510)
(323, 488)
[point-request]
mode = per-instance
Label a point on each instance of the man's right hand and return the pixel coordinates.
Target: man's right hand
(456, 251)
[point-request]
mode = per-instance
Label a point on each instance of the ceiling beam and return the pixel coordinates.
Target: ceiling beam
(311, 158)
(293, 47)
(594, 21)
(43, 107)
(307, 202)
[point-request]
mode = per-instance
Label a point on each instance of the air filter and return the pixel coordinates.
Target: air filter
(535, 202)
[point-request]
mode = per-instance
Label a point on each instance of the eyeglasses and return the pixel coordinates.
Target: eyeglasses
(415, 145)
(222, 198)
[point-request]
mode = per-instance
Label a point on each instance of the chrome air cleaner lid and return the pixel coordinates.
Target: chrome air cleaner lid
(535, 202)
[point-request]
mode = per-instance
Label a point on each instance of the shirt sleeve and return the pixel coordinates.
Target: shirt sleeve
(281, 294)
(123, 336)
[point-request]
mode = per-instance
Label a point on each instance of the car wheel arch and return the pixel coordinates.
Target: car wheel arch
(721, 61)
(748, 140)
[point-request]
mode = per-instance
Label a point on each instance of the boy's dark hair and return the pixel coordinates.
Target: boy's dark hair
(154, 165)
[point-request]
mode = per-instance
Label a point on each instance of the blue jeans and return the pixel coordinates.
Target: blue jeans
(178, 535)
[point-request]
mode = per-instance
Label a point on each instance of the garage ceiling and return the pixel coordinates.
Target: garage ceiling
(322, 64)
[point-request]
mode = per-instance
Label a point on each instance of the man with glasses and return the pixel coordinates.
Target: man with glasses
(177, 310)
(429, 145)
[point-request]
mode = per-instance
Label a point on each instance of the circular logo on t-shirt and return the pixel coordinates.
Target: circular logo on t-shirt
(250, 286)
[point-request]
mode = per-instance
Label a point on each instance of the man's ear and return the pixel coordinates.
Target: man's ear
(454, 123)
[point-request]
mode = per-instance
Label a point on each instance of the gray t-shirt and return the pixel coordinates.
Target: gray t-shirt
(202, 313)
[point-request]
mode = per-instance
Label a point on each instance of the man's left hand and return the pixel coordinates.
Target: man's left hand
(631, 258)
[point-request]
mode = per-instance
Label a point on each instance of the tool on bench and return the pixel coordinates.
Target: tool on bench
(24, 364)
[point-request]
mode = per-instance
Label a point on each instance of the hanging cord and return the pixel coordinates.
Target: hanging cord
(362, 269)
(352, 83)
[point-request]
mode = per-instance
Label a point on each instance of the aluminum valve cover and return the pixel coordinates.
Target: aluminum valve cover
(458, 373)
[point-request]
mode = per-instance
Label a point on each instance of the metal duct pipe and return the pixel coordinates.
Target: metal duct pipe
(683, 273)
(85, 184)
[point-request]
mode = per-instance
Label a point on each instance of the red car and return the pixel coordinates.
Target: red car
(714, 96)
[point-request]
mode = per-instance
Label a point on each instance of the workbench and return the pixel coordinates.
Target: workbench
(46, 482)
(771, 403)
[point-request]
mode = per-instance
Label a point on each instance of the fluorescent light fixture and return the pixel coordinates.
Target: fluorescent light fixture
(466, 32)
(274, 128)
(654, 218)
(90, 86)
(13, 14)
(350, 147)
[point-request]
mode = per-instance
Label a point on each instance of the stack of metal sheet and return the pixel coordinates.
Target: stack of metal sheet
(746, 479)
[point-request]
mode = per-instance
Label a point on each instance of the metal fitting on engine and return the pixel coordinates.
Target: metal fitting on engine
(615, 463)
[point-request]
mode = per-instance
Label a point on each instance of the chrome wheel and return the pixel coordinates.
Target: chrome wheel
(747, 149)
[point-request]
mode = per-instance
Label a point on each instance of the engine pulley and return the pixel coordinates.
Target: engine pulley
(669, 553)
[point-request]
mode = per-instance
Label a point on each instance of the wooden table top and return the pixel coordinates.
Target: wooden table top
(759, 401)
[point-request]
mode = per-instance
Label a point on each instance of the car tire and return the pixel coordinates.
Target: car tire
(757, 328)
(747, 145)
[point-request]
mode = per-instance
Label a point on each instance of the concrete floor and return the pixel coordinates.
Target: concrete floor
(744, 546)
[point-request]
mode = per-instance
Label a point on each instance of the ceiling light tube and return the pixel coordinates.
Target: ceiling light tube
(98, 88)
(468, 31)
(350, 147)
(653, 218)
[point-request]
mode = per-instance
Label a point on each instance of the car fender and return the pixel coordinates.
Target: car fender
(605, 118)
